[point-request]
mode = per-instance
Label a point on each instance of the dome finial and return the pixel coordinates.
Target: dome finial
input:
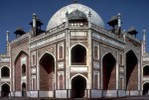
(75, 1)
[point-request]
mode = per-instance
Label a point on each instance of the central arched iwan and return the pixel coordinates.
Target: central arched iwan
(109, 72)
(46, 72)
(131, 71)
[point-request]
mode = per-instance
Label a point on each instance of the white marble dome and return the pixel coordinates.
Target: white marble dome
(60, 16)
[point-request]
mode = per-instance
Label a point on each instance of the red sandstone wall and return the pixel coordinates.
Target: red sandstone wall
(16, 47)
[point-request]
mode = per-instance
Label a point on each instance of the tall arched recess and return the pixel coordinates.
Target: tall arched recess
(109, 72)
(18, 70)
(46, 72)
(131, 71)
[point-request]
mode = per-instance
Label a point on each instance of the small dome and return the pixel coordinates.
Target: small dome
(60, 16)
(77, 15)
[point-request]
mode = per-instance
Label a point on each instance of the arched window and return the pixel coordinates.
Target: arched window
(5, 72)
(146, 71)
(23, 70)
(60, 52)
(78, 55)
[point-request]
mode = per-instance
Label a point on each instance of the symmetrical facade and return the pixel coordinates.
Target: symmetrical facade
(76, 57)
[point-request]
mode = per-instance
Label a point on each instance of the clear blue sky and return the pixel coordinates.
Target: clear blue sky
(18, 13)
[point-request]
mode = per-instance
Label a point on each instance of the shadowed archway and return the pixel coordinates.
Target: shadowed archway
(78, 87)
(131, 71)
(23, 89)
(46, 72)
(109, 72)
(146, 89)
(18, 70)
(5, 90)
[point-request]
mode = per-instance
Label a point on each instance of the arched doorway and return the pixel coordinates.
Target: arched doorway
(146, 89)
(131, 71)
(78, 87)
(5, 90)
(78, 55)
(24, 89)
(109, 72)
(46, 72)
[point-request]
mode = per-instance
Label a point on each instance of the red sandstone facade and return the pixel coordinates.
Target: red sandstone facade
(75, 59)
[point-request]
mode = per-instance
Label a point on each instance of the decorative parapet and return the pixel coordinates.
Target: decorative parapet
(133, 38)
(108, 40)
(145, 57)
(48, 33)
(107, 33)
(57, 29)
(46, 40)
(21, 38)
(4, 58)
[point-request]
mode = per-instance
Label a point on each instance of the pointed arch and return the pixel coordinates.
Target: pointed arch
(5, 66)
(5, 71)
(19, 54)
(109, 71)
(78, 86)
(21, 58)
(145, 87)
(131, 71)
(132, 50)
(47, 69)
(78, 74)
(108, 53)
(144, 83)
(78, 54)
(146, 70)
(78, 44)
(46, 52)
(5, 89)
